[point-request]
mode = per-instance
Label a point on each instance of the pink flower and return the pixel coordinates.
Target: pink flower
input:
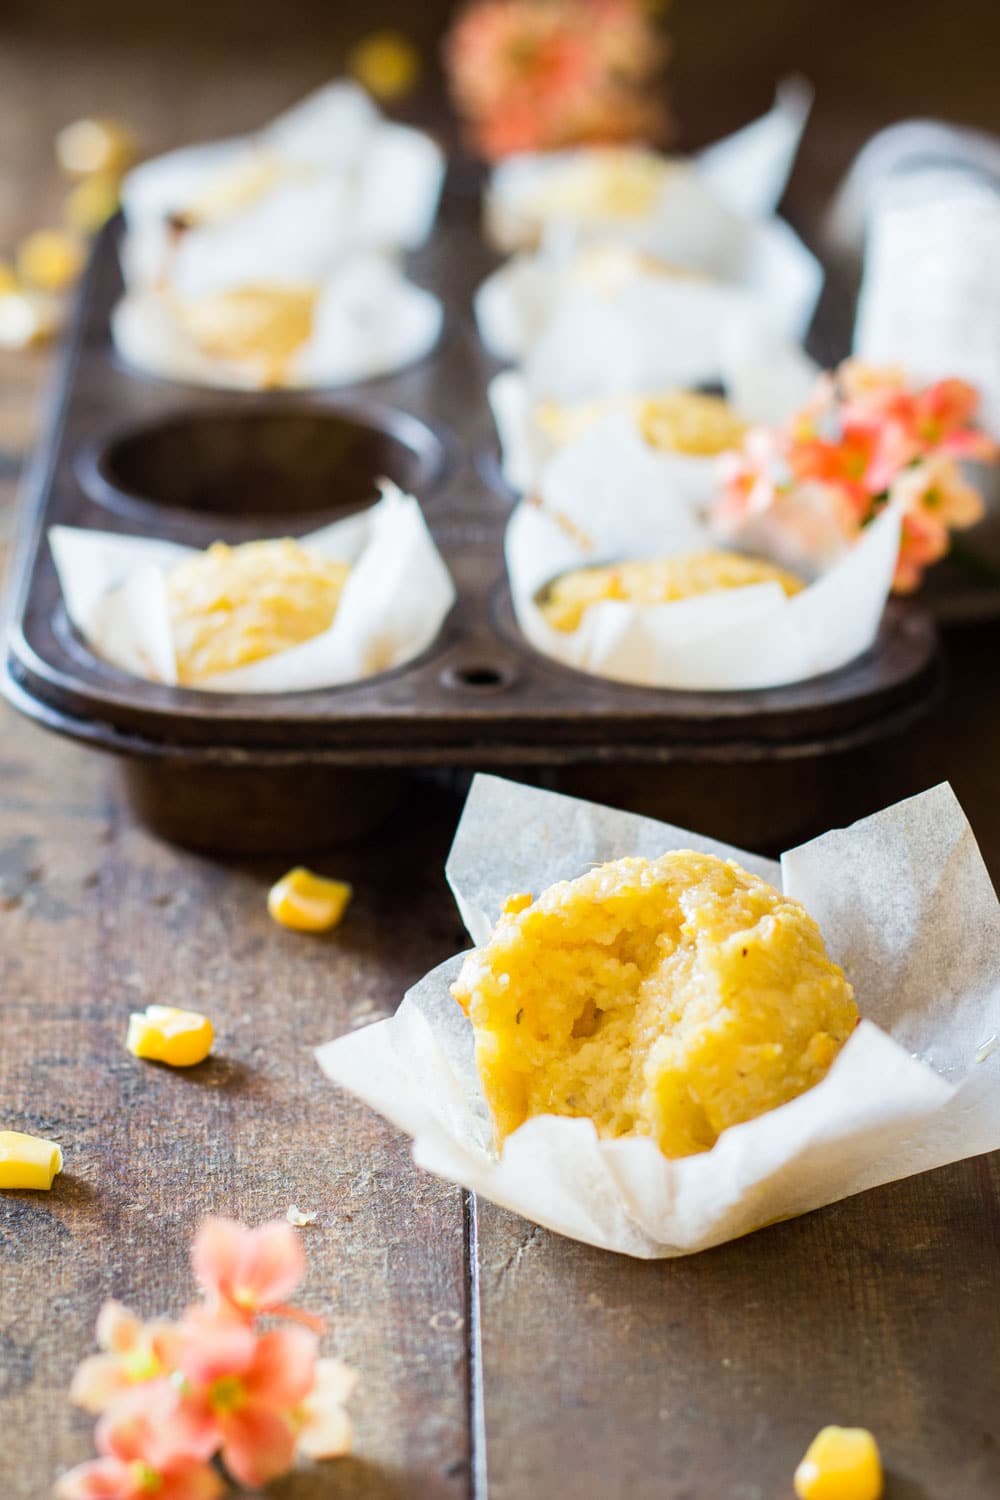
(249, 1271)
(866, 438)
(133, 1353)
(138, 1458)
(936, 500)
(921, 542)
(751, 478)
(540, 74)
(938, 418)
(240, 1391)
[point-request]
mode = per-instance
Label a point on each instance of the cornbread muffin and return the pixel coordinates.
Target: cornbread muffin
(672, 422)
(602, 183)
(668, 998)
(231, 606)
(258, 325)
(659, 580)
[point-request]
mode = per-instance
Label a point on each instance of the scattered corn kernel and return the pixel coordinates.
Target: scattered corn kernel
(49, 259)
(96, 145)
(8, 278)
(27, 318)
(387, 63)
(92, 202)
(27, 1162)
(299, 1217)
(307, 902)
(841, 1463)
(165, 1034)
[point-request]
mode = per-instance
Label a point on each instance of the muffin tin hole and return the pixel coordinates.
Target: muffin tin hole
(266, 463)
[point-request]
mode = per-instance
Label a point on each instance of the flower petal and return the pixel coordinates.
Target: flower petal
(97, 1381)
(188, 1480)
(259, 1445)
(335, 1381)
(213, 1349)
(272, 1267)
(328, 1432)
(190, 1430)
(216, 1254)
(284, 1367)
(118, 1329)
(100, 1479)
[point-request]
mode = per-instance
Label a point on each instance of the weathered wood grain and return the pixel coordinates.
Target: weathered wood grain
(708, 1376)
(98, 918)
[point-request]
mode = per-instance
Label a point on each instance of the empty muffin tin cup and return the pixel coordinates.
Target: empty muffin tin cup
(264, 467)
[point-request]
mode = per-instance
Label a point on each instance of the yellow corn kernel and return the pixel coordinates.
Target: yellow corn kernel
(97, 145)
(307, 902)
(27, 1162)
(165, 1034)
(49, 259)
(841, 1463)
(28, 318)
(386, 63)
(8, 278)
(92, 202)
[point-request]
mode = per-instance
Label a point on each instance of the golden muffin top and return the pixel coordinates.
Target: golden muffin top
(263, 326)
(658, 580)
(609, 182)
(230, 606)
(672, 421)
(669, 998)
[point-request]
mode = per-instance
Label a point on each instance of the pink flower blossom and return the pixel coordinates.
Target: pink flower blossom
(133, 1353)
(866, 438)
(240, 1391)
(175, 1396)
(935, 500)
(138, 1458)
(541, 74)
(249, 1271)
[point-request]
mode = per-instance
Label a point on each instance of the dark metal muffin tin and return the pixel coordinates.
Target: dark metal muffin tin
(124, 452)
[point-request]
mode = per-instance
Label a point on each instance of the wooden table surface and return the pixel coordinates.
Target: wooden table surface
(495, 1358)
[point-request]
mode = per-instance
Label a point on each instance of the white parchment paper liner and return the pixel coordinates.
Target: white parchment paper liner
(648, 333)
(777, 280)
(905, 906)
(904, 149)
(604, 499)
(764, 379)
(369, 321)
(392, 607)
(930, 295)
(715, 214)
(349, 179)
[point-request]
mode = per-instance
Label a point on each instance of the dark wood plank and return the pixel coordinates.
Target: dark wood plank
(708, 1376)
(97, 917)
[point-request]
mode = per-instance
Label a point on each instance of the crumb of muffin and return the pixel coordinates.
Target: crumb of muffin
(668, 998)
(230, 606)
(660, 580)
